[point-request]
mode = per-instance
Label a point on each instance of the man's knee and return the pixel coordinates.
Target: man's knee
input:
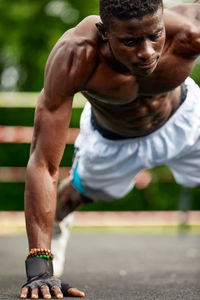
(69, 199)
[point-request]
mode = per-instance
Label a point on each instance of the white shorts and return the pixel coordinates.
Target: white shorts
(104, 169)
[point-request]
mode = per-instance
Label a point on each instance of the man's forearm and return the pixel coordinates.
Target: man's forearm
(40, 205)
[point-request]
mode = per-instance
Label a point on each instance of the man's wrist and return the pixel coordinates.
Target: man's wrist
(36, 267)
(40, 252)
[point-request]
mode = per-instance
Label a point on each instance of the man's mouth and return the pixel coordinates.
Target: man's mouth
(146, 65)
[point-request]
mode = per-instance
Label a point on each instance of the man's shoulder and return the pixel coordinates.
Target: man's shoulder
(84, 33)
(182, 29)
(75, 56)
(80, 40)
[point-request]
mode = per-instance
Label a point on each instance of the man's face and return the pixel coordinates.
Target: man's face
(137, 43)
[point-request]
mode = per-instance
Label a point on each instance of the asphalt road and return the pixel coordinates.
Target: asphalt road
(116, 266)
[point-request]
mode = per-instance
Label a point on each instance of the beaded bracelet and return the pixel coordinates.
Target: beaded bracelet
(40, 252)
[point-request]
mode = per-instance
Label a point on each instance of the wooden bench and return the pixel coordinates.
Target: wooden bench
(16, 129)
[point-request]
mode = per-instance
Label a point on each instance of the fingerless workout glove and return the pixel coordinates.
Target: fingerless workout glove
(40, 272)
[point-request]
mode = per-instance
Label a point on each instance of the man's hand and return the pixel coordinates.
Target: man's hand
(47, 292)
(41, 282)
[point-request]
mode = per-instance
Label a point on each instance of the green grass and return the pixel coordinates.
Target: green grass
(152, 230)
(114, 230)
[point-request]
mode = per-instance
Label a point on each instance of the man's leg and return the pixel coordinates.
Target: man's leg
(143, 179)
(68, 200)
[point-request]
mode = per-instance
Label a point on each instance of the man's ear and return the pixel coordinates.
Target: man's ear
(102, 30)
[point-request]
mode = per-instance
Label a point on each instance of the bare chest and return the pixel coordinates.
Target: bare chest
(108, 86)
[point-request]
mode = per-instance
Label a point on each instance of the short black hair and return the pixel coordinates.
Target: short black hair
(127, 9)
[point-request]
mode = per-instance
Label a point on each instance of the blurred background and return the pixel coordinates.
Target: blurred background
(28, 31)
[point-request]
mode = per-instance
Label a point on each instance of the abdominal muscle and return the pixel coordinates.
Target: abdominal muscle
(140, 117)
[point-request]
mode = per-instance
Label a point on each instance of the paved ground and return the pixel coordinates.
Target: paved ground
(116, 266)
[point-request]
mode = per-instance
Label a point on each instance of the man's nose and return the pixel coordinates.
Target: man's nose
(146, 51)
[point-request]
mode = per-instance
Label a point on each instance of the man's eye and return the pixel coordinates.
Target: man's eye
(154, 37)
(129, 43)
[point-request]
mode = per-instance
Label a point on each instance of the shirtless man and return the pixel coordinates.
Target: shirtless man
(133, 66)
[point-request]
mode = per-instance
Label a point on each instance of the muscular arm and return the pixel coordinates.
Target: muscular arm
(42, 171)
(182, 23)
(67, 70)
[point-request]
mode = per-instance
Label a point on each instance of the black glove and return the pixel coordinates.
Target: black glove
(40, 272)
